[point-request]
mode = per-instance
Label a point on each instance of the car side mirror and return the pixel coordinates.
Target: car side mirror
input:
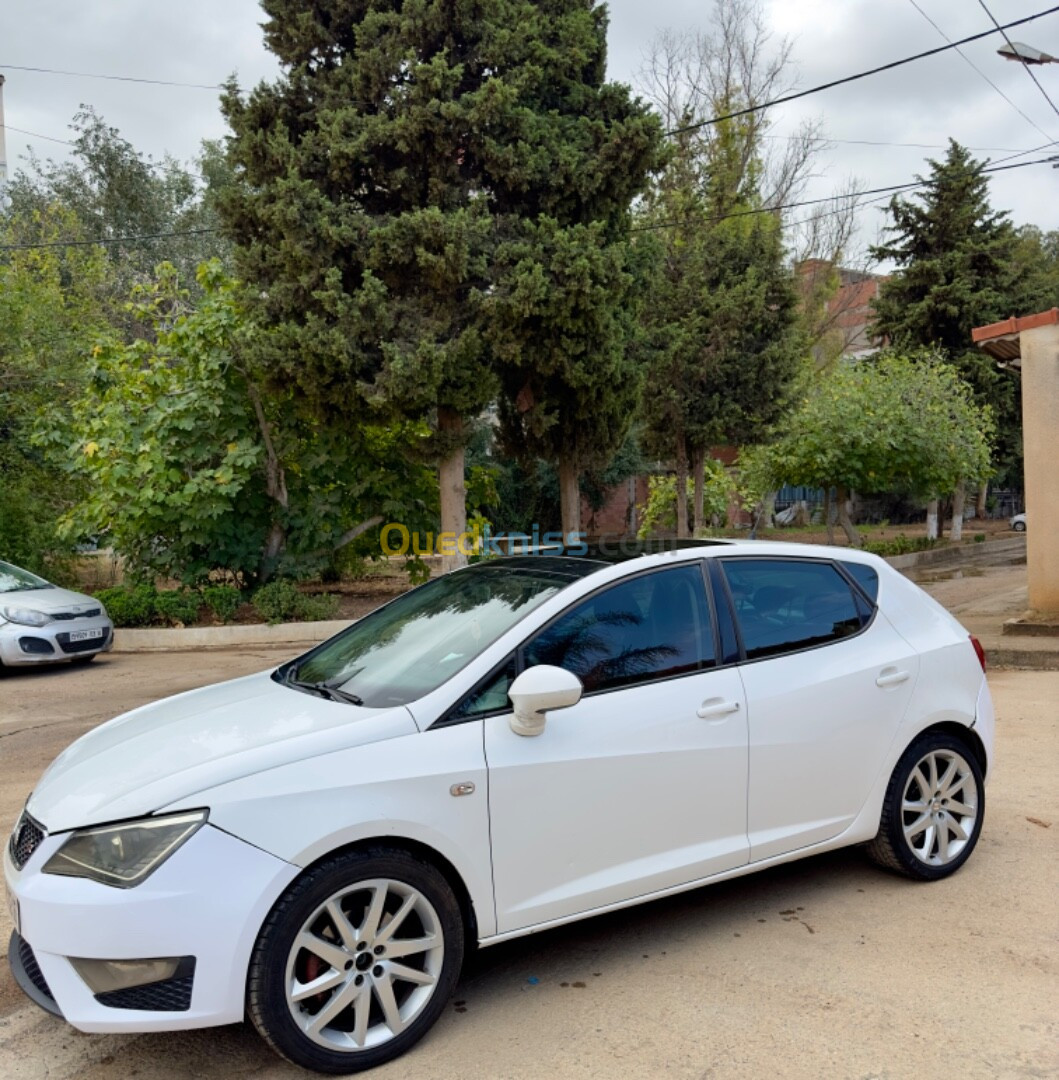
(538, 690)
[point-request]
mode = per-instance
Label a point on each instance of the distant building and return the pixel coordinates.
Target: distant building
(843, 320)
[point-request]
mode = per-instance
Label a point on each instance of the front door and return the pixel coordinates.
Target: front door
(642, 785)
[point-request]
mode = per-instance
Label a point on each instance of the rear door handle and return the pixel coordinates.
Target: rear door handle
(717, 709)
(892, 677)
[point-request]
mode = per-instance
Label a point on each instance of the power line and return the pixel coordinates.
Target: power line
(975, 67)
(37, 135)
(1003, 30)
(754, 211)
(910, 145)
(860, 75)
(130, 241)
(115, 78)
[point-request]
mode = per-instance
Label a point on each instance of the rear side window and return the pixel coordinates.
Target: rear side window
(784, 605)
(655, 626)
(865, 577)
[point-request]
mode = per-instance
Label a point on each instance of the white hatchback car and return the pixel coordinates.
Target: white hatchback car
(515, 745)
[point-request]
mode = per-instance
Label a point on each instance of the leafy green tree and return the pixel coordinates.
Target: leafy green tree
(956, 269)
(907, 423)
(416, 164)
(192, 468)
(51, 300)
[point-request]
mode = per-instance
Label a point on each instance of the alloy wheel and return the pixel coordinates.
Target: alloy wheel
(939, 807)
(364, 965)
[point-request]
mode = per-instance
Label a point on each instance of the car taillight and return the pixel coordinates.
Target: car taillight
(979, 651)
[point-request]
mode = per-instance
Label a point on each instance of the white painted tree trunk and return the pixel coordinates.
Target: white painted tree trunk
(453, 494)
(959, 497)
(932, 519)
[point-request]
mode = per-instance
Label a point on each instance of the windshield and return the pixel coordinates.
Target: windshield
(414, 644)
(14, 579)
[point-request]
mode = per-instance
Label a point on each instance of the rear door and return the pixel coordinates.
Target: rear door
(827, 682)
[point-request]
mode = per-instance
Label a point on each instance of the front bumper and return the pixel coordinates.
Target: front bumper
(207, 901)
(21, 645)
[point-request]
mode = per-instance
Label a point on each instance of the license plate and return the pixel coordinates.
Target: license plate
(85, 635)
(12, 907)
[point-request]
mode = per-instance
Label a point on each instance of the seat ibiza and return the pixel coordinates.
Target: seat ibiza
(515, 745)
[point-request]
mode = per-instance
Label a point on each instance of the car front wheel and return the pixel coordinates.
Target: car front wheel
(933, 810)
(356, 961)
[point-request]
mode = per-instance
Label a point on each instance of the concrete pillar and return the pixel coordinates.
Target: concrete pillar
(1040, 433)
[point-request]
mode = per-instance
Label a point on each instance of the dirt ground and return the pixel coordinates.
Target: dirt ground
(824, 968)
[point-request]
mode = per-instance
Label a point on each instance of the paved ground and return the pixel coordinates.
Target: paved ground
(829, 967)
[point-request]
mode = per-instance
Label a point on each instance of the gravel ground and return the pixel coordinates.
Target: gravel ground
(827, 967)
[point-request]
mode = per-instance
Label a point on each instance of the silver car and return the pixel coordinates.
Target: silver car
(41, 623)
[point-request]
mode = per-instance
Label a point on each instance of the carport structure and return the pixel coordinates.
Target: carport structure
(1029, 346)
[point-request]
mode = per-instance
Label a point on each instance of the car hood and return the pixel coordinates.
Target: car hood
(148, 758)
(48, 600)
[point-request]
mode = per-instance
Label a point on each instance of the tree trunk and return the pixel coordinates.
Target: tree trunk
(959, 497)
(275, 488)
(453, 493)
(932, 519)
(829, 515)
(682, 487)
(852, 535)
(698, 471)
(980, 508)
(570, 500)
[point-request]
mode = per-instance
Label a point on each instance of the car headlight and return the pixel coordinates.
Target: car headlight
(126, 854)
(25, 616)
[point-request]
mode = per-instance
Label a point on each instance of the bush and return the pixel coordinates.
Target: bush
(126, 606)
(979, 538)
(280, 601)
(900, 545)
(178, 606)
(222, 600)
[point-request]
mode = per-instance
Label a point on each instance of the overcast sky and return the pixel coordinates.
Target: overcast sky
(205, 40)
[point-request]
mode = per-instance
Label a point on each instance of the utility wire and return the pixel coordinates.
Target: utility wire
(116, 78)
(965, 57)
(1029, 71)
(910, 145)
(37, 135)
(131, 241)
(860, 75)
(754, 211)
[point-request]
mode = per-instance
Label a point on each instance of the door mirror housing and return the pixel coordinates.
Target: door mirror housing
(537, 691)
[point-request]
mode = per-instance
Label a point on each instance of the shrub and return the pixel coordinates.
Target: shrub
(178, 606)
(136, 606)
(979, 538)
(222, 600)
(281, 601)
(900, 545)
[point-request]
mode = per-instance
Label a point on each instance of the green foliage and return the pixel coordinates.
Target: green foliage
(282, 601)
(906, 424)
(130, 606)
(659, 514)
(958, 267)
(979, 538)
(900, 545)
(179, 607)
(441, 205)
(223, 600)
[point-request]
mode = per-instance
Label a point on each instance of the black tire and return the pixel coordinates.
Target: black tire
(891, 848)
(266, 998)
(1019, 526)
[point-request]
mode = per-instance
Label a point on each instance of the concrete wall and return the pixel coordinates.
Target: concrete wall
(1040, 429)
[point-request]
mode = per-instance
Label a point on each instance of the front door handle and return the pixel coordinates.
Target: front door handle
(892, 677)
(717, 709)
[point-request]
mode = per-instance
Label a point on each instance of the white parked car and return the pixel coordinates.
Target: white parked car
(1018, 523)
(41, 623)
(516, 745)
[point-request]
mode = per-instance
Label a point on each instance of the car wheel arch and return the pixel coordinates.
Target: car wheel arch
(419, 850)
(959, 731)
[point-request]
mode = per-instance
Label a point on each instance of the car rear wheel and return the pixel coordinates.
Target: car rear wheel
(356, 961)
(1019, 526)
(933, 810)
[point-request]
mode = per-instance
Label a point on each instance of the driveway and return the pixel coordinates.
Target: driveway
(828, 967)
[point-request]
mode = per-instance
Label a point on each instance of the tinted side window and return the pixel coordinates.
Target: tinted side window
(489, 696)
(783, 605)
(865, 577)
(654, 626)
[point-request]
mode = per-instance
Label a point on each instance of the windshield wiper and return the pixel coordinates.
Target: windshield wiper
(322, 689)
